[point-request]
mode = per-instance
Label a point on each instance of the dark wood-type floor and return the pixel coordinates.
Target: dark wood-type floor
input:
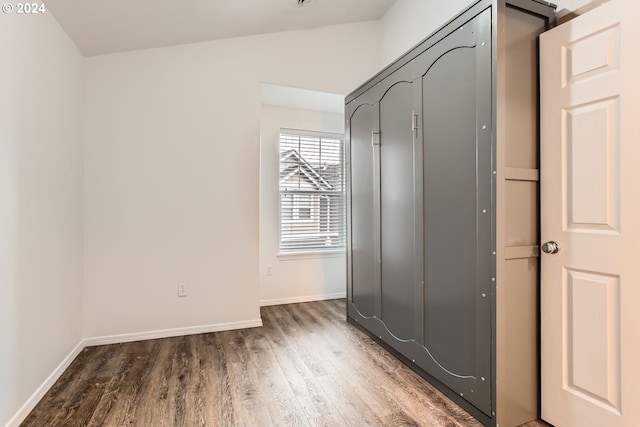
(305, 367)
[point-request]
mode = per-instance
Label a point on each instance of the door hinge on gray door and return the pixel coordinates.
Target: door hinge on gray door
(375, 138)
(414, 120)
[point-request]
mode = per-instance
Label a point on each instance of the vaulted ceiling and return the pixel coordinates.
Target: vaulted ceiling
(107, 26)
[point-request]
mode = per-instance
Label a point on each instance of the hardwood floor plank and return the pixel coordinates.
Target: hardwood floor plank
(305, 367)
(333, 420)
(123, 392)
(224, 411)
(538, 423)
(312, 399)
(70, 388)
(293, 331)
(198, 410)
(287, 413)
(252, 414)
(400, 419)
(300, 377)
(271, 379)
(75, 408)
(244, 385)
(93, 360)
(316, 405)
(350, 406)
(156, 404)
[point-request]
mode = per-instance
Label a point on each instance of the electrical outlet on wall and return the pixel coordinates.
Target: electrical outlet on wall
(182, 289)
(269, 272)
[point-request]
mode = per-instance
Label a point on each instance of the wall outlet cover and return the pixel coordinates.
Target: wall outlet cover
(182, 289)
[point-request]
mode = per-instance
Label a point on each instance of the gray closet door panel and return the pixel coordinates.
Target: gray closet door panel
(397, 207)
(450, 210)
(457, 208)
(363, 265)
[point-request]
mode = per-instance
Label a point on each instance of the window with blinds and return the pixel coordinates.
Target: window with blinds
(312, 191)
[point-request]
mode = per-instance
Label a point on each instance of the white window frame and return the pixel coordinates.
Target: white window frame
(330, 250)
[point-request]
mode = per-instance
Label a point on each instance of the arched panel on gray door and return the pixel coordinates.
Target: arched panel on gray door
(396, 210)
(363, 257)
(450, 210)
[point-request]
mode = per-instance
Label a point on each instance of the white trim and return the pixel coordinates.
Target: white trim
(290, 256)
(312, 133)
(294, 300)
(31, 403)
(176, 332)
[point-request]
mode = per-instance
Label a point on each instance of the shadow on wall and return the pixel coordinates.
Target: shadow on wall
(565, 15)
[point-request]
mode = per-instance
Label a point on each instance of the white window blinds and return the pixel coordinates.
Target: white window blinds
(312, 191)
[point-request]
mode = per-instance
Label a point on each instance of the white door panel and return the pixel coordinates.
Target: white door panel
(590, 202)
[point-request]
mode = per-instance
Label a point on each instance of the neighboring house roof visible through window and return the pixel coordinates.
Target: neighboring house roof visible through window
(296, 164)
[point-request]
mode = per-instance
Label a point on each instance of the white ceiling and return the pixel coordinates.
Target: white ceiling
(107, 26)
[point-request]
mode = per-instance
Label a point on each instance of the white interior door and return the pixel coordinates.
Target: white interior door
(590, 201)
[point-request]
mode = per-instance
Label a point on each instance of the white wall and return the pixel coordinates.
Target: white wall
(292, 278)
(408, 22)
(40, 204)
(172, 171)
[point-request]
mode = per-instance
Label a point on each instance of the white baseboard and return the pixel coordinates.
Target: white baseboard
(295, 300)
(31, 403)
(167, 333)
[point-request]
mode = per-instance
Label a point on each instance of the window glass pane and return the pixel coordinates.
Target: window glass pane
(312, 205)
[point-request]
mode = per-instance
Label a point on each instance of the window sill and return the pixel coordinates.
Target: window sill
(292, 256)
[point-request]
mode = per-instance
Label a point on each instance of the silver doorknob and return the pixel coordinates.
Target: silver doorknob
(550, 248)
